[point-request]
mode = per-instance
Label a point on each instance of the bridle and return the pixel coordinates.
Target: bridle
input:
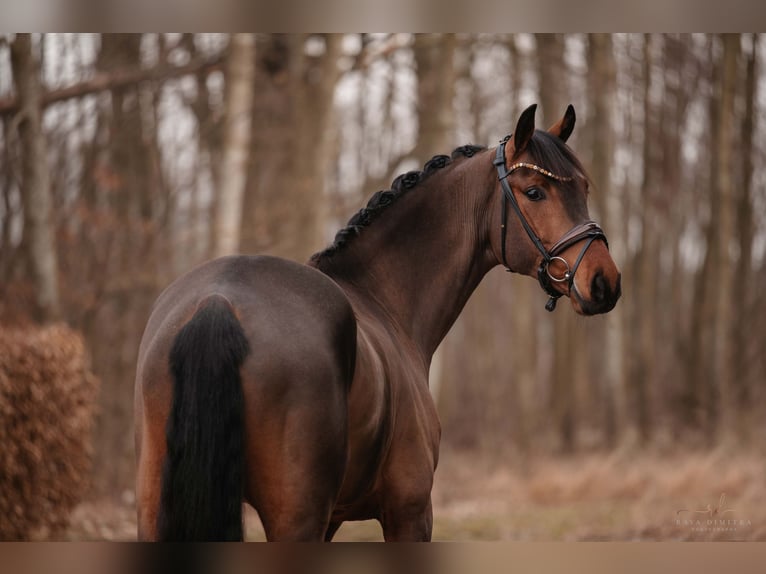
(589, 230)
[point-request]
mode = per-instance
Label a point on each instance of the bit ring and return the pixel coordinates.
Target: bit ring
(567, 273)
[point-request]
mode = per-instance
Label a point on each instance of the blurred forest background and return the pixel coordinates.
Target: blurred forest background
(127, 159)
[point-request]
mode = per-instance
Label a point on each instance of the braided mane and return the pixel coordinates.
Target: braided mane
(381, 200)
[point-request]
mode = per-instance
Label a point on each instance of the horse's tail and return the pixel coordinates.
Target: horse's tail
(203, 475)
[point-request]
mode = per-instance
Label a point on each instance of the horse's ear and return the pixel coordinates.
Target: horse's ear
(524, 129)
(563, 128)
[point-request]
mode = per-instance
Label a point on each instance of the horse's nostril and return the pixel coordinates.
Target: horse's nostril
(598, 288)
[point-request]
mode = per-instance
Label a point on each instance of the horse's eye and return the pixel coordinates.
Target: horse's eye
(534, 194)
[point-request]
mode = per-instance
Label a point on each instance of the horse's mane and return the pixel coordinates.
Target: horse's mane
(545, 149)
(381, 200)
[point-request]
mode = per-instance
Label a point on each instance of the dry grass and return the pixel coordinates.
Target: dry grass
(606, 497)
(587, 497)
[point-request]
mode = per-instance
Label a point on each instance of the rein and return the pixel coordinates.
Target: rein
(589, 230)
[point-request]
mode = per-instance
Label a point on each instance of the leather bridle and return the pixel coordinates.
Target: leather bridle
(588, 230)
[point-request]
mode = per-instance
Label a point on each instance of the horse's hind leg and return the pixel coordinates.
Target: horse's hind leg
(296, 457)
(150, 451)
(148, 490)
(150, 455)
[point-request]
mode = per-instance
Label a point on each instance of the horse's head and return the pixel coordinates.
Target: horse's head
(545, 228)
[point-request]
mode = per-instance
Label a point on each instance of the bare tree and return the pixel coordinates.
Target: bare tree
(725, 220)
(283, 205)
(606, 363)
(435, 63)
(568, 361)
(702, 390)
(35, 180)
(124, 181)
(236, 143)
(645, 265)
(741, 292)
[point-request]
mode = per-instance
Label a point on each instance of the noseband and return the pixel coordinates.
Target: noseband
(589, 230)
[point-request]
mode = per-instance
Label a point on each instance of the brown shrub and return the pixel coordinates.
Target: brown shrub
(47, 403)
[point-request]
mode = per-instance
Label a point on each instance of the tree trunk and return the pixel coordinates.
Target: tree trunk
(742, 323)
(606, 362)
(126, 190)
(292, 137)
(435, 63)
(724, 218)
(523, 307)
(38, 237)
(436, 73)
(675, 214)
(315, 92)
(434, 56)
(199, 234)
(236, 143)
(702, 391)
(568, 361)
(646, 266)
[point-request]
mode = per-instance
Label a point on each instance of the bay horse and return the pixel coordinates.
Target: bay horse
(302, 389)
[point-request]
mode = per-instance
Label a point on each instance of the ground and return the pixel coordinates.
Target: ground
(618, 496)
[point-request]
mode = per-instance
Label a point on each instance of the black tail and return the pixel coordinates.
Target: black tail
(203, 476)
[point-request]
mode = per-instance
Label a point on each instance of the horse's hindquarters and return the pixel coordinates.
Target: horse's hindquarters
(301, 332)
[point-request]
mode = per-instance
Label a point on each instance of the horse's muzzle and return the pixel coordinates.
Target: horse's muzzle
(603, 295)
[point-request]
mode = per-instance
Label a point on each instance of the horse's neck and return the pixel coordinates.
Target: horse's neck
(418, 264)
